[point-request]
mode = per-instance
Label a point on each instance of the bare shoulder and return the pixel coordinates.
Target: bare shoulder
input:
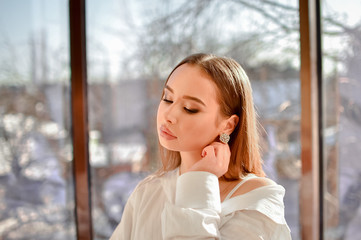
(252, 184)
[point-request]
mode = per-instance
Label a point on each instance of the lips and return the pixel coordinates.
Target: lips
(166, 133)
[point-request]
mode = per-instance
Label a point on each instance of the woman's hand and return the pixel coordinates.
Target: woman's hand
(215, 159)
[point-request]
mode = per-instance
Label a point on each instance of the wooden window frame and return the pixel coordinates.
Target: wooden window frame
(79, 118)
(311, 187)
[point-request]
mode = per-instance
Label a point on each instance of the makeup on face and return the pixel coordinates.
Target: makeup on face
(166, 133)
(188, 114)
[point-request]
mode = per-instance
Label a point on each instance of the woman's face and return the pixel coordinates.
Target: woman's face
(189, 115)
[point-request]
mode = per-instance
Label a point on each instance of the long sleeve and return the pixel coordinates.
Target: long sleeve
(124, 229)
(196, 212)
(188, 207)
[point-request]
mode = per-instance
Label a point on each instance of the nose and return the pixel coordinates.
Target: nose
(170, 115)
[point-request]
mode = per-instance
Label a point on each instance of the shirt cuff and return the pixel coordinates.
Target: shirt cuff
(198, 190)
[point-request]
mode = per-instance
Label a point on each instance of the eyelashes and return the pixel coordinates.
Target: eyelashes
(191, 111)
(167, 101)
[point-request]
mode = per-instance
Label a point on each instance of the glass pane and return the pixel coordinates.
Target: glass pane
(36, 182)
(132, 47)
(342, 117)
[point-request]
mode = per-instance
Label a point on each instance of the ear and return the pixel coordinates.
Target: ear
(230, 124)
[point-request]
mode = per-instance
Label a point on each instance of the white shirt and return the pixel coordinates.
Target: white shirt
(189, 207)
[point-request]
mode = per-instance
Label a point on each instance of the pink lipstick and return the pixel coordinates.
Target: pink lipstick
(166, 133)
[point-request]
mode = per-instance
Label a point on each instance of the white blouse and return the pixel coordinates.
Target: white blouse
(189, 207)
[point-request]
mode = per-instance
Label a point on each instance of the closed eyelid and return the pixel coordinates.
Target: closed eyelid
(185, 96)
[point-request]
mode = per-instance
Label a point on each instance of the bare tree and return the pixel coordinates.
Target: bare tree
(252, 32)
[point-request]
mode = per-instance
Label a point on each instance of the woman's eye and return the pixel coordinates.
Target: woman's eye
(191, 110)
(167, 101)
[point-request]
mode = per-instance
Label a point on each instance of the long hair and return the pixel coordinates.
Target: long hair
(235, 97)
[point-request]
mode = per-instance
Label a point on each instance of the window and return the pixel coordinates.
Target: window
(133, 46)
(36, 177)
(342, 117)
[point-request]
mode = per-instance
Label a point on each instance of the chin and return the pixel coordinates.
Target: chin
(168, 147)
(183, 149)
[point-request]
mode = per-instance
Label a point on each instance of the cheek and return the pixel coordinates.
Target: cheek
(159, 113)
(202, 129)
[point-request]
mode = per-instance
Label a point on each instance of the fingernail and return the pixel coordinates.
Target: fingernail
(204, 153)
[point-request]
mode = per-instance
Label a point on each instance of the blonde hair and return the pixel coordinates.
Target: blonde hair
(235, 97)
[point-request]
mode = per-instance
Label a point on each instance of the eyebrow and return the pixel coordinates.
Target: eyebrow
(186, 96)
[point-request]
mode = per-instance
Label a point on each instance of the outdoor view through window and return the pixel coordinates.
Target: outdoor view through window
(131, 48)
(129, 60)
(36, 177)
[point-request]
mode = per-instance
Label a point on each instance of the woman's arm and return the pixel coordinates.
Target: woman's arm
(124, 229)
(195, 214)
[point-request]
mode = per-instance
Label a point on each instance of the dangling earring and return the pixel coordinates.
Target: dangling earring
(224, 137)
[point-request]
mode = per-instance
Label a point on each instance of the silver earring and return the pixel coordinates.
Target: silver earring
(224, 137)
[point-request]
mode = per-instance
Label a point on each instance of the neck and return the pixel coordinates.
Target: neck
(188, 159)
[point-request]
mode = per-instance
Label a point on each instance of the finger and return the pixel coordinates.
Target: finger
(226, 152)
(216, 146)
(223, 152)
(208, 151)
(219, 146)
(220, 157)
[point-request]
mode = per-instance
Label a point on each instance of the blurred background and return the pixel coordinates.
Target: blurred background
(131, 48)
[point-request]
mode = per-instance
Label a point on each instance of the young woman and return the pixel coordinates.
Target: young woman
(211, 185)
